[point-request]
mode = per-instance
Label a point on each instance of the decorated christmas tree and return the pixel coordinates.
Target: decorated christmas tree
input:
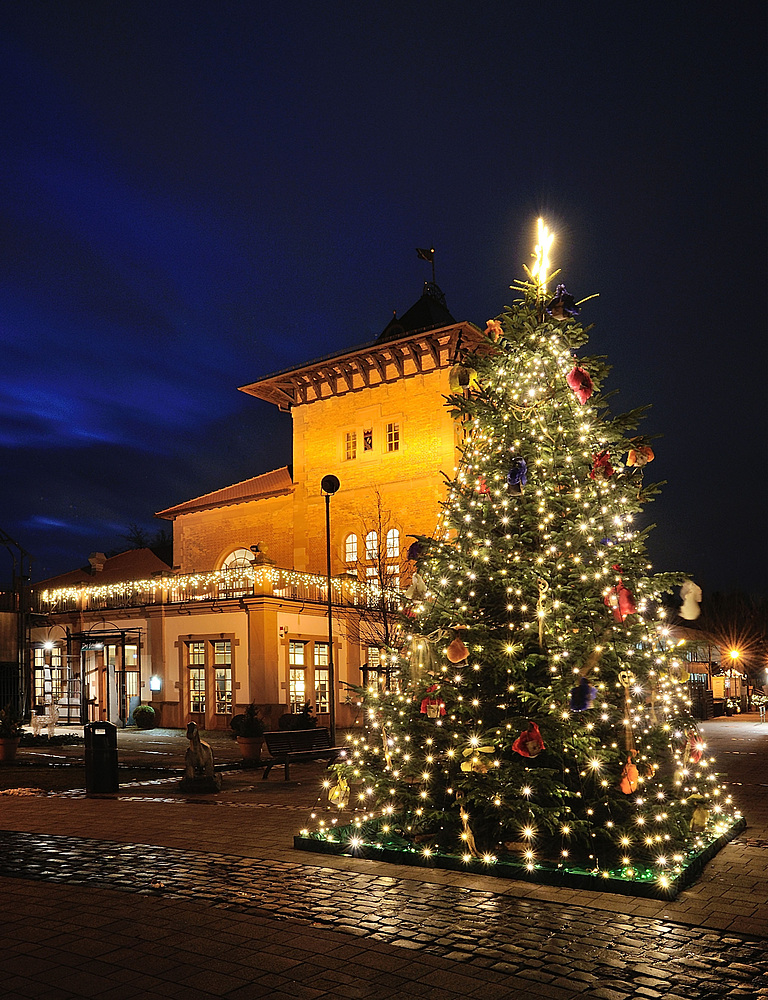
(535, 722)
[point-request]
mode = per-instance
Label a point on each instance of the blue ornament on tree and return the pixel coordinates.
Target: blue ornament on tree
(582, 696)
(517, 476)
(563, 305)
(415, 551)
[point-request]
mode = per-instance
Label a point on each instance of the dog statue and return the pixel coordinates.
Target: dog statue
(199, 774)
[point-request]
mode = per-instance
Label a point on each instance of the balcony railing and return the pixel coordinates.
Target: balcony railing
(221, 585)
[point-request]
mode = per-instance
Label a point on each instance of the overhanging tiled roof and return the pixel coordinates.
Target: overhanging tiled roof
(134, 564)
(268, 484)
(366, 367)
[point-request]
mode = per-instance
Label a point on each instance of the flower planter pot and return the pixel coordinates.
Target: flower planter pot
(250, 747)
(8, 747)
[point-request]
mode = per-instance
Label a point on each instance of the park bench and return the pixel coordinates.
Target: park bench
(295, 745)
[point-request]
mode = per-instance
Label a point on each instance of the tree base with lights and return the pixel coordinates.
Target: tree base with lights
(536, 725)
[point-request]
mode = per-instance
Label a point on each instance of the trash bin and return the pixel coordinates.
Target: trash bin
(100, 757)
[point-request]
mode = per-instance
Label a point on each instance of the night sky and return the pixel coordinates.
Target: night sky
(195, 195)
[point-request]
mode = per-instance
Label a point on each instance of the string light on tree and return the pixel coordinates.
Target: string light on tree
(560, 738)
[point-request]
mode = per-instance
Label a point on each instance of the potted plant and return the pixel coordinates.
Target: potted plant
(144, 716)
(249, 728)
(11, 730)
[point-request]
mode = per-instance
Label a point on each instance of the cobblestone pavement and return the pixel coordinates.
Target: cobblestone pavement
(591, 954)
(167, 896)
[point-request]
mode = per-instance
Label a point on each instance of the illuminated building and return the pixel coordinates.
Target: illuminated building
(242, 614)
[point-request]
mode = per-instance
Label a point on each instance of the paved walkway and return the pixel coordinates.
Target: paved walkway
(153, 893)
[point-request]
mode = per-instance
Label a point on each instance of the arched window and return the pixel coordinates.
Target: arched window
(371, 545)
(236, 584)
(350, 549)
(239, 559)
(393, 543)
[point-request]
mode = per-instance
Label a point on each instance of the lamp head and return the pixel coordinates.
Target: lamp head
(329, 485)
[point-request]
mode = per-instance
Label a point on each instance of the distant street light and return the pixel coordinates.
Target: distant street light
(330, 485)
(734, 655)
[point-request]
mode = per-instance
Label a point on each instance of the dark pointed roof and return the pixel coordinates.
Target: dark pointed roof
(429, 313)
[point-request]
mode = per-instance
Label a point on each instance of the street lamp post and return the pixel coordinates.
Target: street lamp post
(734, 655)
(330, 485)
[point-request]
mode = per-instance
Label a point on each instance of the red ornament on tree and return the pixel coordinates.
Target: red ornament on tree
(432, 706)
(578, 379)
(529, 743)
(601, 466)
(620, 600)
(694, 748)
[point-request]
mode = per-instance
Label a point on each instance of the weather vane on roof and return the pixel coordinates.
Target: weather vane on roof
(428, 255)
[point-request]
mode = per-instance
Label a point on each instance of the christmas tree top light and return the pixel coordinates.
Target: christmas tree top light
(537, 722)
(539, 271)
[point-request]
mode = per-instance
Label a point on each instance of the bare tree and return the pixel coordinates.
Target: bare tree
(379, 563)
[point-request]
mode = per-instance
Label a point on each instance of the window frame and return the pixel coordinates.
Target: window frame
(371, 542)
(350, 548)
(392, 543)
(308, 674)
(393, 436)
(209, 672)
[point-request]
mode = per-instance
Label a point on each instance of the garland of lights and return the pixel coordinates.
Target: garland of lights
(255, 578)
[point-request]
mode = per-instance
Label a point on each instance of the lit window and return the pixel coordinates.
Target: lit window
(322, 677)
(393, 543)
(322, 687)
(297, 678)
(350, 445)
(235, 582)
(350, 549)
(393, 437)
(297, 689)
(239, 559)
(371, 545)
(48, 674)
(222, 659)
(196, 660)
(393, 576)
(130, 677)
